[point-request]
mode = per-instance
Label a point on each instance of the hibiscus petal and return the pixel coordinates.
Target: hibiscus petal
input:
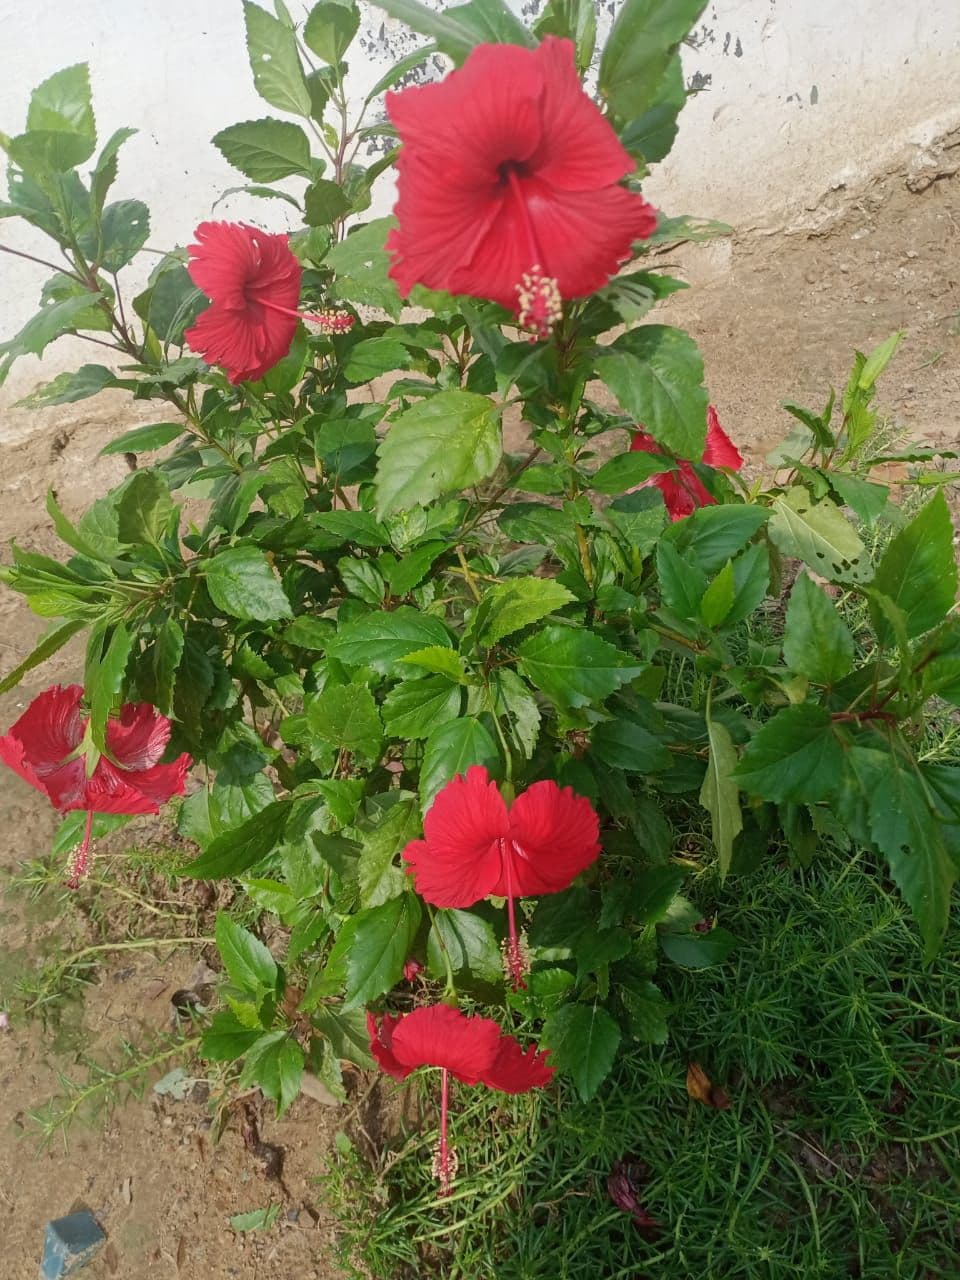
(138, 737)
(553, 838)
(683, 491)
(381, 1045)
(585, 236)
(222, 260)
(579, 150)
(245, 344)
(720, 450)
(51, 727)
(459, 861)
(440, 226)
(111, 790)
(63, 787)
(518, 1070)
(477, 117)
(440, 1036)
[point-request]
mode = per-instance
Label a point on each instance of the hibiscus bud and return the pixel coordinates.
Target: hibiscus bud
(411, 969)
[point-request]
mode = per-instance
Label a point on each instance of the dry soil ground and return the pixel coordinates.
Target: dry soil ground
(777, 317)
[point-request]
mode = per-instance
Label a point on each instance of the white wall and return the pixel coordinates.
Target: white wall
(799, 96)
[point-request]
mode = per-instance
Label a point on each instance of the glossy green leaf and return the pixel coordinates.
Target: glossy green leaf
(381, 874)
(641, 43)
(818, 534)
(441, 445)
(583, 1040)
(918, 571)
(573, 667)
(330, 28)
(816, 641)
(697, 950)
(795, 756)
(415, 708)
(451, 749)
(720, 795)
(347, 717)
(467, 942)
(512, 605)
(275, 62)
(266, 150)
(382, 640)
(236, 851)
(372, 947)
(248, 963)
(242, 584)
(656, 374)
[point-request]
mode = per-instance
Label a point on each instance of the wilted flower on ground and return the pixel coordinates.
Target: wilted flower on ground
(474, 847)
(683, 490)
(509, 184)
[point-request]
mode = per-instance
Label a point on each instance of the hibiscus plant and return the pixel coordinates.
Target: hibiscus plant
(481, 725)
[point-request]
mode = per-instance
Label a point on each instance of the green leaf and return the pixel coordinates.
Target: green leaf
(236, 851)
(171, 303)
(346, 1030)
(918, 571)
(469, 943)
(624, 744)
(864, 498)
(647, 1009)
(48, 646)
(347, 717)
(372, 947)
(438, 659)
(638, 50)
(256, 1219)
(718, 598)
(380, 877)
(248, 962)
(711, 535)
(441, 445)
(574, 20)
(452, 749)
(243, 585)
(67, 388)
(877, 361)
(573, 667)
(816, 641)
(266, 150)
(124, 230)
(681, 583)
(62, 104)
(512, 605)
(583, 1040)
(361, 264)
(892, 799)
(697, 950)
(104, 173)
(49, 323)
(382, 640)
(627, 470)
(794, 756)
(457, 30)
(330, 29)
(818, 534)
(104, 680)
(324, 202)
(275, 62)
(414, 708)
(651, 135)
(720, 795)
(145, 439)
(145, 509)
(227, 1039)
(275, 1063)
(656, 374)
(168, 650)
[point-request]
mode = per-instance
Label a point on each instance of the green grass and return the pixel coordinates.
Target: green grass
(840, 1154)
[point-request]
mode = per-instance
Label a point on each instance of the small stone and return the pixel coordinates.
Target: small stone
(69, 1243)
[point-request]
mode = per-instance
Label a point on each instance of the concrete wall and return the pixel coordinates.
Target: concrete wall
(799, 97)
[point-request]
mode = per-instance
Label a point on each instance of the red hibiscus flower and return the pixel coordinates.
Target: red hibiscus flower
(475, 847)
(472, 1050)
(683, 491)
(47, 747)
(509, 184)
(253, 282)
